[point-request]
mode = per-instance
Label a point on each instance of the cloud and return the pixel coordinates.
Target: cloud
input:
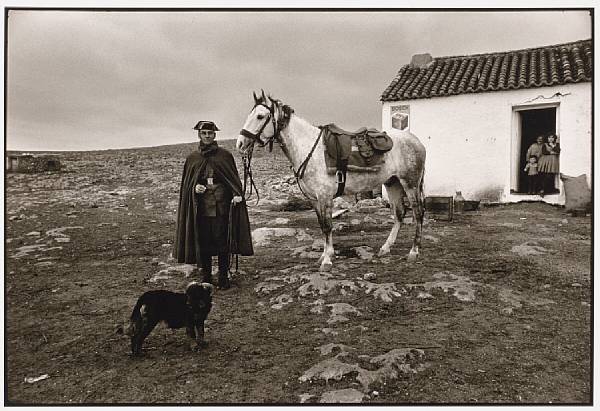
(87, 80)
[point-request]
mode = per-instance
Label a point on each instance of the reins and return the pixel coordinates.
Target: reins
(247, 176)
(300, 172)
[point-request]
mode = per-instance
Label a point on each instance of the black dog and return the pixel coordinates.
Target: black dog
(177, 310)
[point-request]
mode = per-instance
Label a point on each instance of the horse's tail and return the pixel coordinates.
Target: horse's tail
(422, 186)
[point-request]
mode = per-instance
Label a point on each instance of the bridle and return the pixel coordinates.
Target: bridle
(278, 125)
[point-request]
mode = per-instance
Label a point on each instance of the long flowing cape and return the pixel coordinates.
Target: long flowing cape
(223, 164)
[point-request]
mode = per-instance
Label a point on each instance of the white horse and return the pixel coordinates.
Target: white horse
(402, 172)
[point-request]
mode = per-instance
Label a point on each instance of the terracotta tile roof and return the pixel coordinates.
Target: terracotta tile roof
(511, 70)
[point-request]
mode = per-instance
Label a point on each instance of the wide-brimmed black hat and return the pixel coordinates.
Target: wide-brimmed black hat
(206, 125)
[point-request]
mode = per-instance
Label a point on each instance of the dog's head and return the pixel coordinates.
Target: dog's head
(199, 299)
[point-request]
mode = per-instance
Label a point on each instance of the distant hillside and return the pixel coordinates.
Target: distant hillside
(226, 143)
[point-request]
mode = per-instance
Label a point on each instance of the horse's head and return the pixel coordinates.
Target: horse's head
(261, 126)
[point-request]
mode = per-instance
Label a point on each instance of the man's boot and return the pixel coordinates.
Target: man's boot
(224, 283)
(224, 271)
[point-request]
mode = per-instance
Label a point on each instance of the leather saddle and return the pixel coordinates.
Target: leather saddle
(357, 151)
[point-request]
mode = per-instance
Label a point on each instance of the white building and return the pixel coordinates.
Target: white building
(477, 115)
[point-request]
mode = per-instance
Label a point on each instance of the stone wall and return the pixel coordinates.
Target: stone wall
(32, 164)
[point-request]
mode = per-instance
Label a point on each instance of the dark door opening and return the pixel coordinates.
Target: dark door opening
(533, 123)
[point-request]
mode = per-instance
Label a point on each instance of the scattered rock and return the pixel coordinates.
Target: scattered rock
(280, 301)
(528, 248)
(369, 220)
(267, 287)
(59, 232)
(338, 213)
(263, 236)
(364, 252)
(302, 252)
(341, 203)
(327, 349)
(370, 204)
(31, 380)
(322, 283)
(369, 276)
(462, 286)
(391, 365)
(347, 395)
(170, 270)
(424, 295)
(384, 292)
(338, 310)
(305, 397)
(339, 226)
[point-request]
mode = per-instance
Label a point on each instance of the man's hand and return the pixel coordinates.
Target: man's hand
(236, 199)
(200, 188)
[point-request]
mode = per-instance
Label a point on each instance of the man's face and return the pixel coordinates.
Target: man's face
(206, 136)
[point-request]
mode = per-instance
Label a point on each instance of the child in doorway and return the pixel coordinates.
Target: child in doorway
(532, 175)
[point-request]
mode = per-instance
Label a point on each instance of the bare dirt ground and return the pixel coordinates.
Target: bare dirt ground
(497, 310)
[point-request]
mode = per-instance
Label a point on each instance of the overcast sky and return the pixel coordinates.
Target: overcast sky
(93, 80)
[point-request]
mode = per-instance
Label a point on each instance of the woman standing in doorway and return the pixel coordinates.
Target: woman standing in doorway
(548, 164)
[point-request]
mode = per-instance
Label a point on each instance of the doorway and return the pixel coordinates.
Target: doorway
(533, 123)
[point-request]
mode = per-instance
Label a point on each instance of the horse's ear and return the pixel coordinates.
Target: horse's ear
(264, 98)
(287, 110)
(255, 98)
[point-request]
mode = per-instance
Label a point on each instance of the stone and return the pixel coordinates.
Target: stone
(369, 276)
(263, 235)
(369, 220)
(364, 252)
(346, 395)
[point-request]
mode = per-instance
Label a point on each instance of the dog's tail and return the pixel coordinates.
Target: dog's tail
(127, 329)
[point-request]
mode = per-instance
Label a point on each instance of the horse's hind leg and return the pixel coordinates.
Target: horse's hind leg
(396, 198)
(324, 210)
(415, 197)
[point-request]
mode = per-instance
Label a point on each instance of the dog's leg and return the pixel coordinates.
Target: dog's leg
(189, 330)
(142, 328)
(200, 335)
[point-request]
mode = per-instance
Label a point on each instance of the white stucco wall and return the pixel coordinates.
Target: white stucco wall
(471, 138)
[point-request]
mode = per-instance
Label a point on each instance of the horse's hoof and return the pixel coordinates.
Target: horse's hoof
(326, 267)
(413, 256)
(383, 251)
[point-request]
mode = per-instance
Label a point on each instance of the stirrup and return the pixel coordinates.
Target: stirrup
(339, 176)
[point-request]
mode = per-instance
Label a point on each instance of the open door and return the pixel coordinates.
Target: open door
(532, 123)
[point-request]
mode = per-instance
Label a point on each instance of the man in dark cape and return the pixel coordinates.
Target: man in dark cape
(212, 218)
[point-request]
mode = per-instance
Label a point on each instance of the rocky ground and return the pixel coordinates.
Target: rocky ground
(497, 310)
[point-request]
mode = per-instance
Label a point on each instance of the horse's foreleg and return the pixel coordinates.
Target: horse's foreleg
(324, 210)
(415, 196)
(396, 199)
